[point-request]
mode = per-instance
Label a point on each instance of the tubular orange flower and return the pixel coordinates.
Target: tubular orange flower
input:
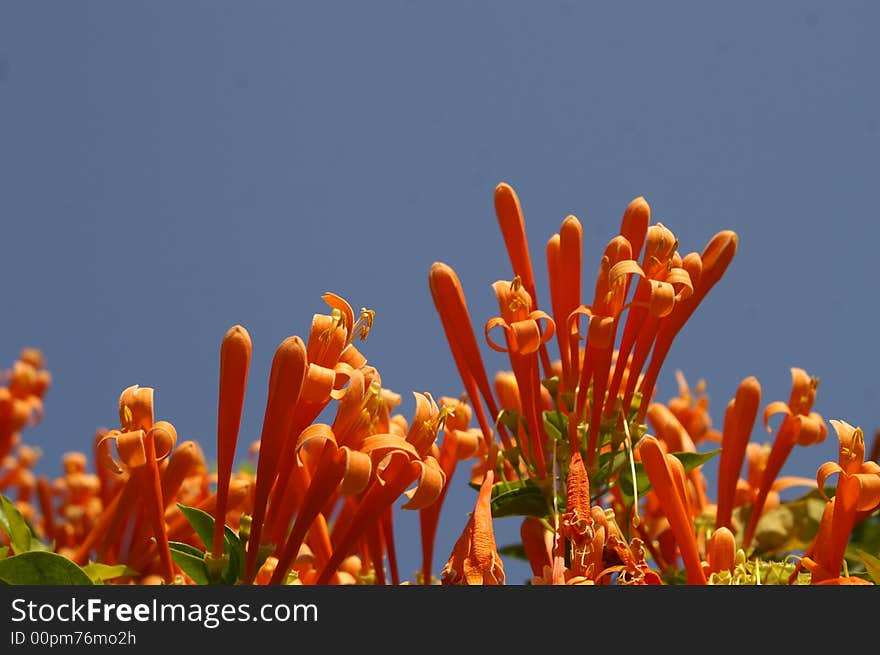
(451, 306)
(692, 410)
(141, 444)
(537, 541)
(858, 490)
(668, 428)
(612, 284)
(397, 462)
(738, 423)
(663, 282)
(513, 229)
(396, 469)
(285, 383)
(337, 468)
(722, 551)
(21, 401)
(474, 559)
(586, 544)
(704, 271)
(668, 489)
(331, 358)
(235, 359)
(459, 442)
(564, 267)
(524, 337)
(799, 425)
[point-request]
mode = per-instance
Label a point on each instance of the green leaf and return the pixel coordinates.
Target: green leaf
(693, 460)
(4, 551)
(21, 537)
(516, 551)
(191, 560)
(41, 568)
(509, 418)
(625, 484)
(202, 523)
(100, 573)
(186, 548)
(519, 498)
(865, 536)
(872, 565)
(791, 526)
(608, 464)
(556, 425)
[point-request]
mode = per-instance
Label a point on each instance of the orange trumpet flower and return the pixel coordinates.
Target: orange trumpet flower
(704, 271)
(474, 559)
(235, 359)
(141, 445)
(285, 383)
(524, 337)
(738, 423)
(800, 425)
(668, 484)
(858, 490)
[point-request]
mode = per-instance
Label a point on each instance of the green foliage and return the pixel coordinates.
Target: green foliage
(191, 560)
(22, 537)
(516, 551)
(789, 527)
(518, 498)
(199, 565)
(872, 565)
(101, 573)
(41, 568)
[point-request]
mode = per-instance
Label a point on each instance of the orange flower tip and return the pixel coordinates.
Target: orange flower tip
(722, 550)
(239, 336)
(638, 208)
(720, 250)
(504, 193)
(440, 273)
(751, 384)
(293, 348)
(571, 224)
(636, 218)
(189, 456)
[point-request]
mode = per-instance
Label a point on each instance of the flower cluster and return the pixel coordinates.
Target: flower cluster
(607, 480)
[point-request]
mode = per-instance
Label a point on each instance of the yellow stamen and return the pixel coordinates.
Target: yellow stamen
(364, 324)
(337, 320)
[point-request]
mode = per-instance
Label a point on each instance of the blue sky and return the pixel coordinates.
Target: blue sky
(170, 169)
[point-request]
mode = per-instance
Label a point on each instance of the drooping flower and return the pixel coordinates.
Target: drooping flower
(474, 559)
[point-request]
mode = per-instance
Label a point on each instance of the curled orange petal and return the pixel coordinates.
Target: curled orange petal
(430, 483)
(358, 468)
(136, 408)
